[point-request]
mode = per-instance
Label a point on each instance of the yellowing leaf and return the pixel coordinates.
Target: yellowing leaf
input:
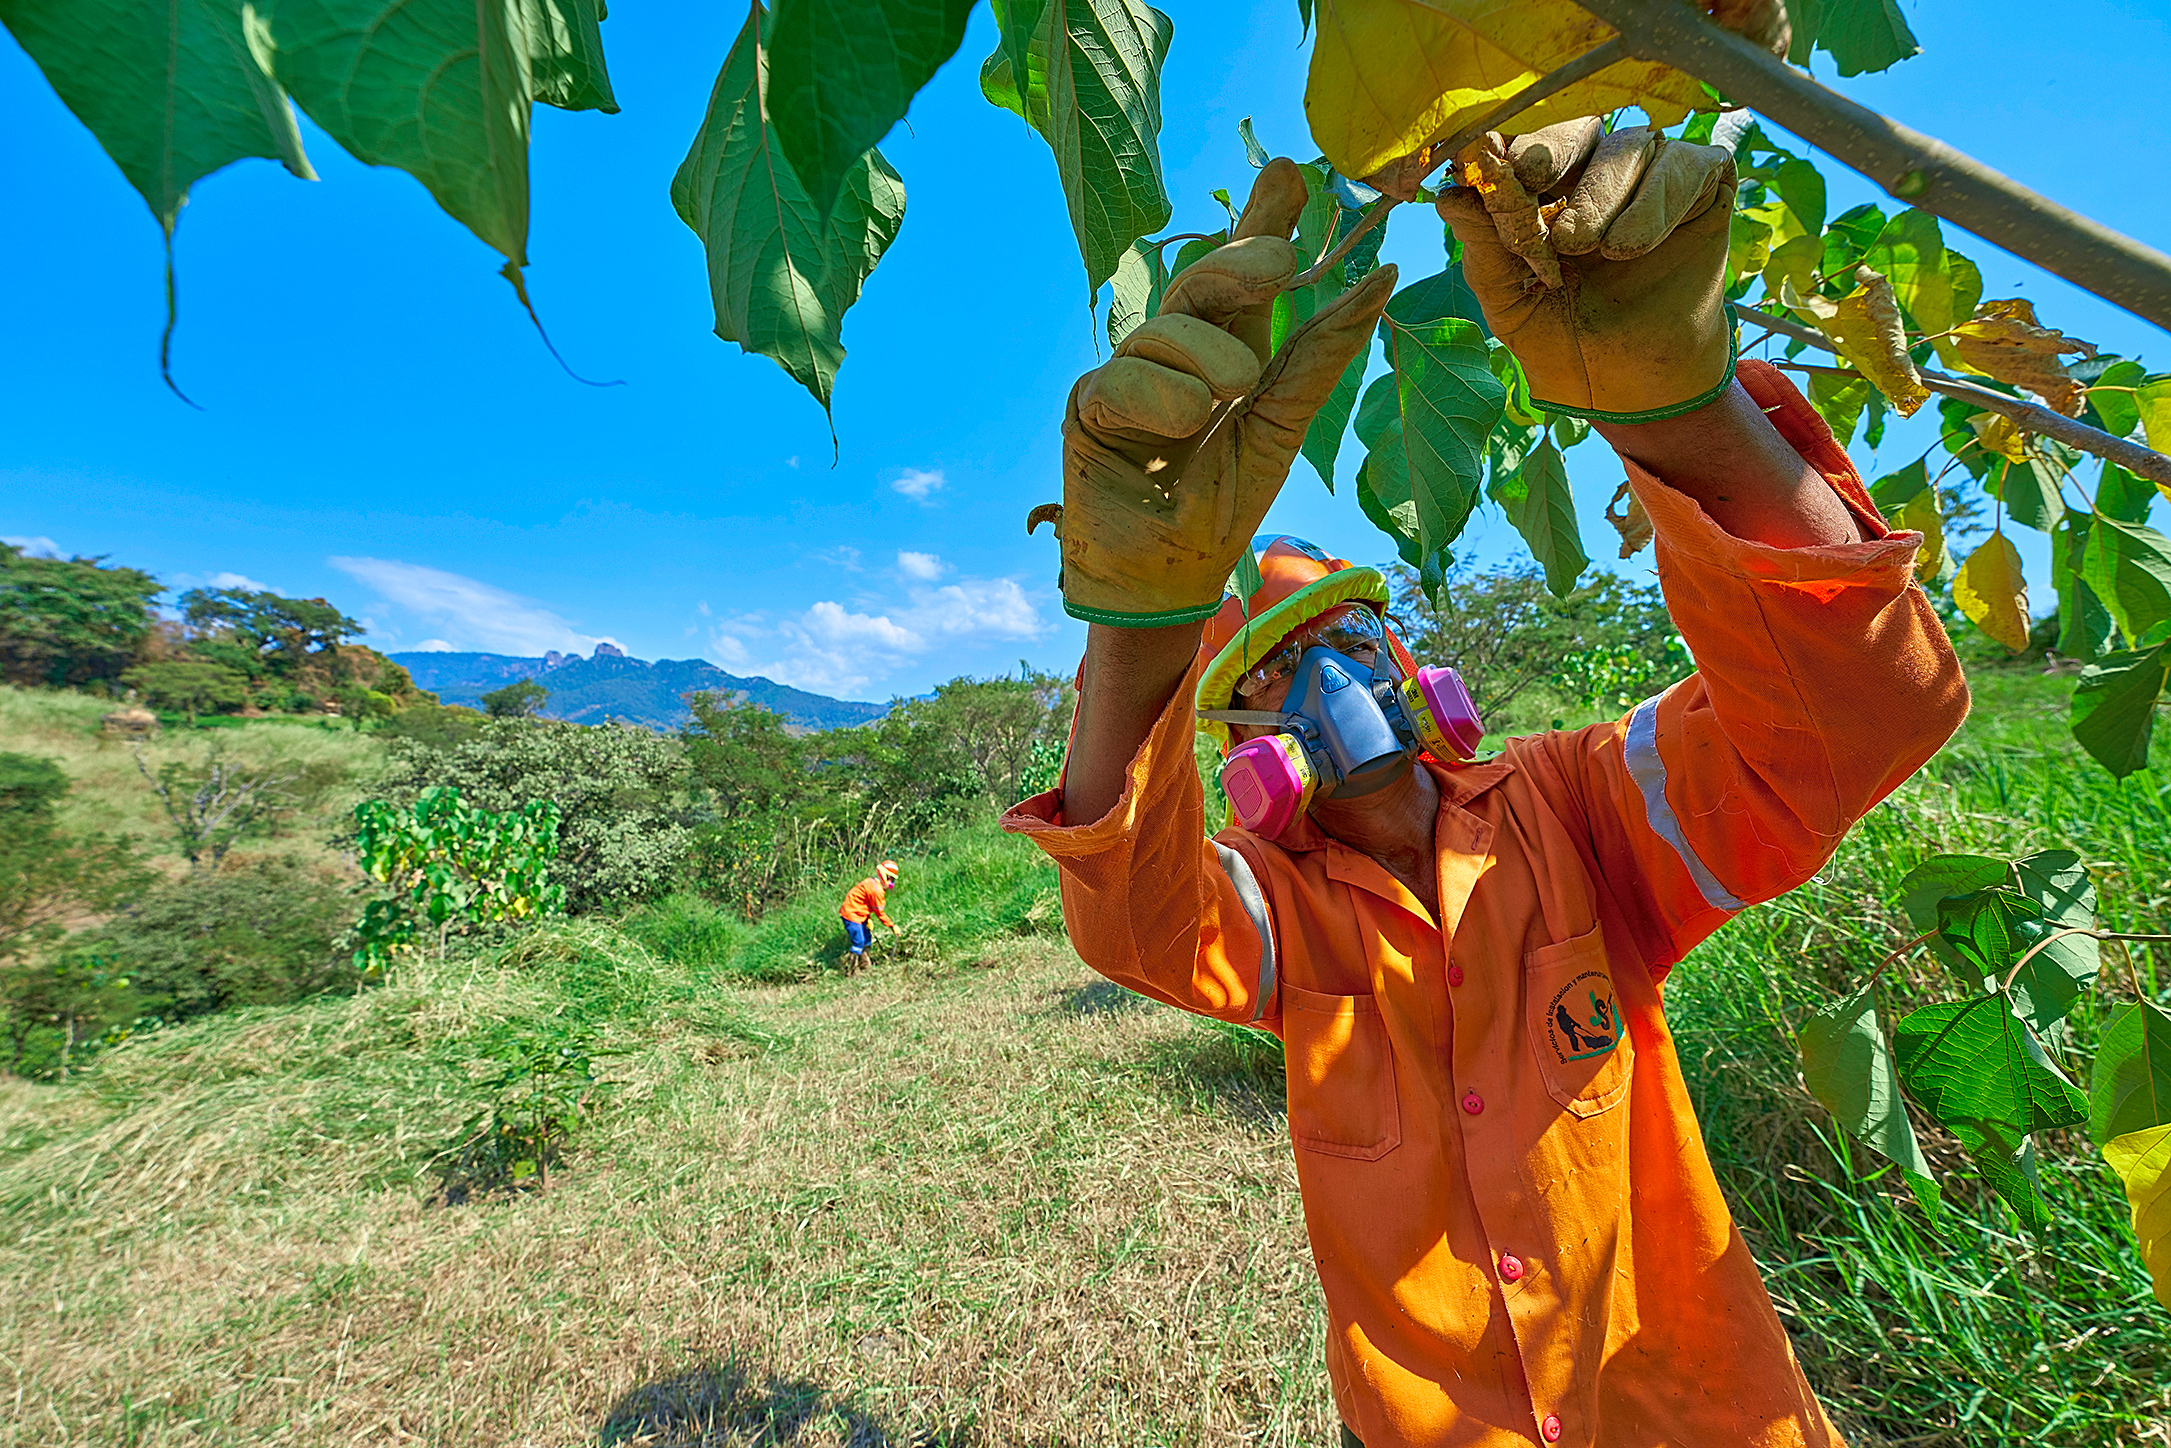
(2142, 1160)
(1993, 593)
(1391, 76)
(1793, 262)
(1866, 324)
(1919, 515)
(2154, 401)
(1999, 434)
(2003, 341)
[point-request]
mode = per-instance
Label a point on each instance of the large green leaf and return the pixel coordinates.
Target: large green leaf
(1859, 35)
(172, 93)
(2084, 624)
(2112, 397)
(2122, 495)
(1979, 1071)
(2129, 567)
(842, 72)
(1894, 489)
(2114, 707)
(1538, 501)
(2129, 1088)
(1135, 293)
(2029, 491)
(1323, 438)
(1846, 1065)
(1383, 493)
(1444, 396)
(1945, 877)
(1973, 892)
(782, 273)
(1086, 74)
(442, 90)
(1989, 929)
(2062, 971)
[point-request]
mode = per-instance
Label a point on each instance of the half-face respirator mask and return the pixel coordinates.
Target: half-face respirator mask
(1346, 728)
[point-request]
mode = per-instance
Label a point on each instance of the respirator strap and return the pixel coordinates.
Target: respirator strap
(1261, 718)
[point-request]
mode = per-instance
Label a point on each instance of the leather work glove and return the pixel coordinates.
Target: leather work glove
(1173, 450)
(1601, 261)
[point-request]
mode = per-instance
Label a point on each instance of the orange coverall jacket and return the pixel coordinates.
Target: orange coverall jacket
(1507, 1196)
(864, 898)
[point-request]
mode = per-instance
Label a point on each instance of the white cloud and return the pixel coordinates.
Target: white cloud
(844, 556)
(923, 567)
(834, 649)
(481, 617)
(240, 580)
(920, 484)
(434, 646)
(39, 547)
(792, 461)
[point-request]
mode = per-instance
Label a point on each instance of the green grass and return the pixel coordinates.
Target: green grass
(1965, 1330)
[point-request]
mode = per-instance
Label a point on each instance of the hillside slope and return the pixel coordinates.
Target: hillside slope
(613, 686)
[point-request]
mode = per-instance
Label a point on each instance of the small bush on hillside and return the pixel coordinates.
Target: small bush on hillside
(620, 791)
(261, 933)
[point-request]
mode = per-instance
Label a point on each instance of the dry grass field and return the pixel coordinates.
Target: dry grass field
(1007, 1206)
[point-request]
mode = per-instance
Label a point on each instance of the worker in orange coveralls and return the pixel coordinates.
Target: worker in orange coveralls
(866, 898)
(1508, 1200)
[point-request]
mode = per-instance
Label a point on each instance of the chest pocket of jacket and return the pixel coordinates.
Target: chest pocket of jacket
(1341, 1075)
(1575, 1024)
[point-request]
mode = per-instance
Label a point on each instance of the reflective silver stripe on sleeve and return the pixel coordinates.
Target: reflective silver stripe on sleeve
(1253, 899)
(1649, 771)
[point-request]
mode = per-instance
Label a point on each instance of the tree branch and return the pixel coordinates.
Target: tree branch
(2134, 458)
(1919, 169)
(2056, 935)
(1373, 216)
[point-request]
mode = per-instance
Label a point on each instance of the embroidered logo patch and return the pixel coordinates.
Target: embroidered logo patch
(1581, 1020)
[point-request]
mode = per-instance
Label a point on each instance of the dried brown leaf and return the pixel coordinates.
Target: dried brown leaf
(1867, 327)
(2003, 340)
(1485, 168)
(1632, 523)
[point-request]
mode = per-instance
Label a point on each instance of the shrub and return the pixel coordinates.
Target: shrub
(620, 792)
(262, 933)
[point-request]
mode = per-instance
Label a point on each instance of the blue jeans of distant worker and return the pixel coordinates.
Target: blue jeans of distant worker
(860, 934)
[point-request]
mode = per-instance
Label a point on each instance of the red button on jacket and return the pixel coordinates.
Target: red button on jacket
(1511, 1267)
(1454, 975)
(1472, 1102)
(1551, 1428)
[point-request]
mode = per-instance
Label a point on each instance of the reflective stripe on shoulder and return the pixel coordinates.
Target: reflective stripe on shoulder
(1253, 899)
(1648, 769)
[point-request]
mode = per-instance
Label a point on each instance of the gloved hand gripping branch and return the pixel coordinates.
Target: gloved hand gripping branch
(1174, 449)
(1600, 259)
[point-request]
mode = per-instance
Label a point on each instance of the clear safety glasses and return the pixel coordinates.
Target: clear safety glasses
(1354, 631)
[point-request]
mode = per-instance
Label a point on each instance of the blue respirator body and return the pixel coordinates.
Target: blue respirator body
(1347, 730)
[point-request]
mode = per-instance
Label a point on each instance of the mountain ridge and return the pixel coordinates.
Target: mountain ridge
(611, 685)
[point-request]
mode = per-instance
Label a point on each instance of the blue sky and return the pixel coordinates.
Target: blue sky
(382, 427)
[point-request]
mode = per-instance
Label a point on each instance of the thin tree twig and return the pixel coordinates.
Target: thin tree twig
(1920, 170)
(1373, 216)
(1882, 965)
(2057, 935)
(2141, 461)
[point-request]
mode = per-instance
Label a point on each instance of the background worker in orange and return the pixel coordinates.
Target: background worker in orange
(1507, 1197)
(864, 899)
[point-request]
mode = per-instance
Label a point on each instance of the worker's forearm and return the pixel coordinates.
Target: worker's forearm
(1130, 675)
(1733, 462)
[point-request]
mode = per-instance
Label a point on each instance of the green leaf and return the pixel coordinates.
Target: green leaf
(1255, 153)
(1910, 252)
(2084, 624)
(1941, 878)
(1840, 400)
(1989, 929)
(1384, 496)
(2121, 495)
(2059, 973)
(1537, 500)
(2113, 396)
(1323, 438)
(1846, 241)
(1086, 74)
(1859, 35)
(172, 93)
(1436, 298)
(2129, 1088)
(1448, 401)
(442, 90)
(2129, 567)
(2029, 491)
(1893, 489)
(1980, 1073)
(843, 72)
(1801, 186)
(1192, 250)
(2114, 707)
(781, 272)
(1135, 293)
(1846, 1065)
